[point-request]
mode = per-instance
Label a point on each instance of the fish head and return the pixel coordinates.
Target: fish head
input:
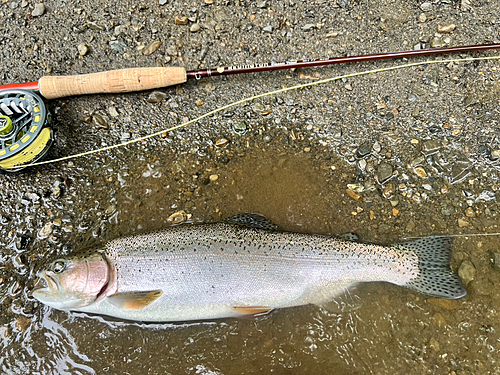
(69, 283)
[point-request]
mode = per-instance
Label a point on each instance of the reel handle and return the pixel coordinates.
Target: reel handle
(112, 81)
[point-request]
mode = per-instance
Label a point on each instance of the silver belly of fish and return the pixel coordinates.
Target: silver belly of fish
(195, 272)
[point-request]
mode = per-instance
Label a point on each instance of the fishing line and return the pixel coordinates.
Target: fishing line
(248, 99)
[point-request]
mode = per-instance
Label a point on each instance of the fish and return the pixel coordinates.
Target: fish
(241, 266)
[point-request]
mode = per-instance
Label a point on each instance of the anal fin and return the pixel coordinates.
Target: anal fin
(252, 310)
(134, 300)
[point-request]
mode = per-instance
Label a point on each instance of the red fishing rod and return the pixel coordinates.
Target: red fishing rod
(138, 79)
(25, 133)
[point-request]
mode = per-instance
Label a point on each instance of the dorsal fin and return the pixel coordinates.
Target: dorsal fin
(252, 221)
(134, 300)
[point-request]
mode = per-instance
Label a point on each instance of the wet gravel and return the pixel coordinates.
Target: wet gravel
(398, 154)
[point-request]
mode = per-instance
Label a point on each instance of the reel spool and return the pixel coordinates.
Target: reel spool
(25, 133)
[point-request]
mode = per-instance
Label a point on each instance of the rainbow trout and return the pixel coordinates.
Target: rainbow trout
(243, 266)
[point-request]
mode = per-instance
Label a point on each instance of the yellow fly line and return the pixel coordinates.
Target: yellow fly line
(253, 98)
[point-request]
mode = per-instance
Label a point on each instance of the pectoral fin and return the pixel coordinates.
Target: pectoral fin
(251, 310)
(134, 300)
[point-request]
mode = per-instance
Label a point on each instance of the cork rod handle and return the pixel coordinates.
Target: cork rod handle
(113, 81)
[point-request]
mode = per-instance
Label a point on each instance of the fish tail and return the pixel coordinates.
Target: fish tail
(435, 278)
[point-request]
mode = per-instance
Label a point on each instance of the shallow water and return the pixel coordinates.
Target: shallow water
(374, 328)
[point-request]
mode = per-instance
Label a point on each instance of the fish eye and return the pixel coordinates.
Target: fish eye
(59, 266)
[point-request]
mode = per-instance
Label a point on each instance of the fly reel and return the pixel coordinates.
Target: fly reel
(25, 133)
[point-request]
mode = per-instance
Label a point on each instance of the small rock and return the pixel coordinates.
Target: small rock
(426, 6)
(446, 29)
(422, 18)
(268, 29)
(213, 177)
(125, 136)
(113, 112)
(466, 271)
(463, 223)
(469, 212)
(179, 217)
(440, 320)
(384, 172)
(364, 149)
(308, 27)
(93, 26)
(437, 42)
(258, 108)
(420, 172)
(181, 20)
(46, 231)
(83, 49)
(162, 2)
(195, 28)
(156, 97)
(117, 46)
(389, 191)
(222, 142)
(39, 10)
(431, 147)
(23, 323)
(99, 122)
(495, 260)
(395, 212)
(240, 127)
(151, 48)
(410, 226)
(199, 102)
(434, 344)
(56, 192)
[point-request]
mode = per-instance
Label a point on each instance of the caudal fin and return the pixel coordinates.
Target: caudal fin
(435, 276)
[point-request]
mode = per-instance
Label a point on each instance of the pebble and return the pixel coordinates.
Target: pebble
(389, 191)
(395, 212)
(364, 149)
(268, 29)
(179, 217)
(181, 20)
(39, 10)
(420, 172)
(440, 320)
(410, 226)
(467, 271)
(240, 127)
(431, 147)
(46, 231)
(83, 49)
(434, 344)
(156, 97)
(426, 6)
(446, 29)
(422, 18)
(56, 192)
(195, 28)
(151, 48)
(377, 147)
(99, 122)
(162, 2)
(113, 112)
(258, 108)
(117, 46)
(384, 172)
(222, 142)
(213, 177)
(23, 323)
(308, 26)
(357, 188)
(199, 102)
(495, 260)
(462, 223)
(469, 212)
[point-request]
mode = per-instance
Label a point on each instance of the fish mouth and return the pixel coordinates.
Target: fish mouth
(46, 283)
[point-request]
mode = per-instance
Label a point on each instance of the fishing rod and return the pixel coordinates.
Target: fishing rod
(25, 132)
